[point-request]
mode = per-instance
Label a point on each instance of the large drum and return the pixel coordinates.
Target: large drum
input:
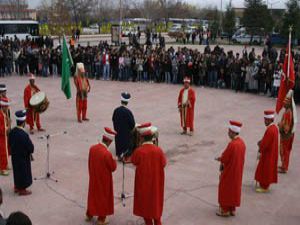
(137, 140)
(39, 102)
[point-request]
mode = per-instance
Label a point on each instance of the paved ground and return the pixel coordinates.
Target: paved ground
(191, 173)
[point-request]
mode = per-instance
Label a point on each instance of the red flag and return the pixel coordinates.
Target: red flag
(287, 80)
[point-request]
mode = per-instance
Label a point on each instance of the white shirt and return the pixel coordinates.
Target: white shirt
(277, 78)
(185, 96)
(106, 59)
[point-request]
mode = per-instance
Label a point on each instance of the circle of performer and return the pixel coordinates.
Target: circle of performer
(137, 144)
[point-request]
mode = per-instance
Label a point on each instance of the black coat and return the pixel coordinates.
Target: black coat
(21, 148)
(124, 123)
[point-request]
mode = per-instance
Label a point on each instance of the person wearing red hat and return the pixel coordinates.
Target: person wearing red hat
(266, 171)
(150, 162)
(32, 117)
(101, 166)
(4, 130)
(3, 90)
(186, 105)
(83, 88)
(287, 131)
(232, 167)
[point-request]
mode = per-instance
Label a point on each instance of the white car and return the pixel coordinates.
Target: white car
(246, 38)
(127, 31)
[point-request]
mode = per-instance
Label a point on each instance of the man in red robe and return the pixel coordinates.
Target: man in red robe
(150, 162)
(101, 166)
(83, 87)
(287, 130)
(266, 171)
(232, 166)
(4, 129)
(3, 90)
(186, 105)
(32, 117)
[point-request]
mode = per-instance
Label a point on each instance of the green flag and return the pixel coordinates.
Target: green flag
(67, 63)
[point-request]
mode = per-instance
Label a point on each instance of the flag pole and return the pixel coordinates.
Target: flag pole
(289, 55)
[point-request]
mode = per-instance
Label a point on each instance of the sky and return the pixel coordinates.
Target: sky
(236, 3)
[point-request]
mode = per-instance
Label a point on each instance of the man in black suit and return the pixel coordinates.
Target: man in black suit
(124, 123)
(21, 149)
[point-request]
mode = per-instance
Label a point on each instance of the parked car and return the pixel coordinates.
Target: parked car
(247, 39)
(224, 35)
(190, 29)
(92, 29)
(129, 30)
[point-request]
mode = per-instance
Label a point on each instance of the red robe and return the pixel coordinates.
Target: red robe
(150, 161)
(31, 116)
(187, 121)
(83, 87)
(230, 186)
(286, 143)
(100, 196)
(3, 142)
(266, 171)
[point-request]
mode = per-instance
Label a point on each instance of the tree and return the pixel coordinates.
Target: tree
(291, 18)
(80, 9)
(229, 20)
(215, 26)
(17, 9)
(257, 16)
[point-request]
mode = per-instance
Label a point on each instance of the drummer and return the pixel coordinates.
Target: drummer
(32, 117)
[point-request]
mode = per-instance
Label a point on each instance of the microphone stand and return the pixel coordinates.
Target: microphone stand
(48, 174)
(124, 195)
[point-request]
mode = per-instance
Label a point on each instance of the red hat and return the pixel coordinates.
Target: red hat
(269, 114)
(235, 126)
(187, 80)
(145, 129)
(4, 101)
(109, 134)
(31, 76)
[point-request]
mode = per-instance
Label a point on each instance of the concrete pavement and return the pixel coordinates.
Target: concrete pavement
(191, 174)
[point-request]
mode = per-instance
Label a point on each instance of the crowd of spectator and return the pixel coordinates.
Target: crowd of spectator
(242, 72)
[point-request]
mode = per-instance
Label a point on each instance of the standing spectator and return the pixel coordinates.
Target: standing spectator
(121, 68)
(54, 61)
(139, 63)
(127, 63)
(114, 65)
(174, 69)
(276, 80)
(106, 65)
(77, 34)
(133, 67)
(45, 62)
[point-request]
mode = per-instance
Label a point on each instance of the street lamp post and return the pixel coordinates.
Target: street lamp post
(120, 21)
